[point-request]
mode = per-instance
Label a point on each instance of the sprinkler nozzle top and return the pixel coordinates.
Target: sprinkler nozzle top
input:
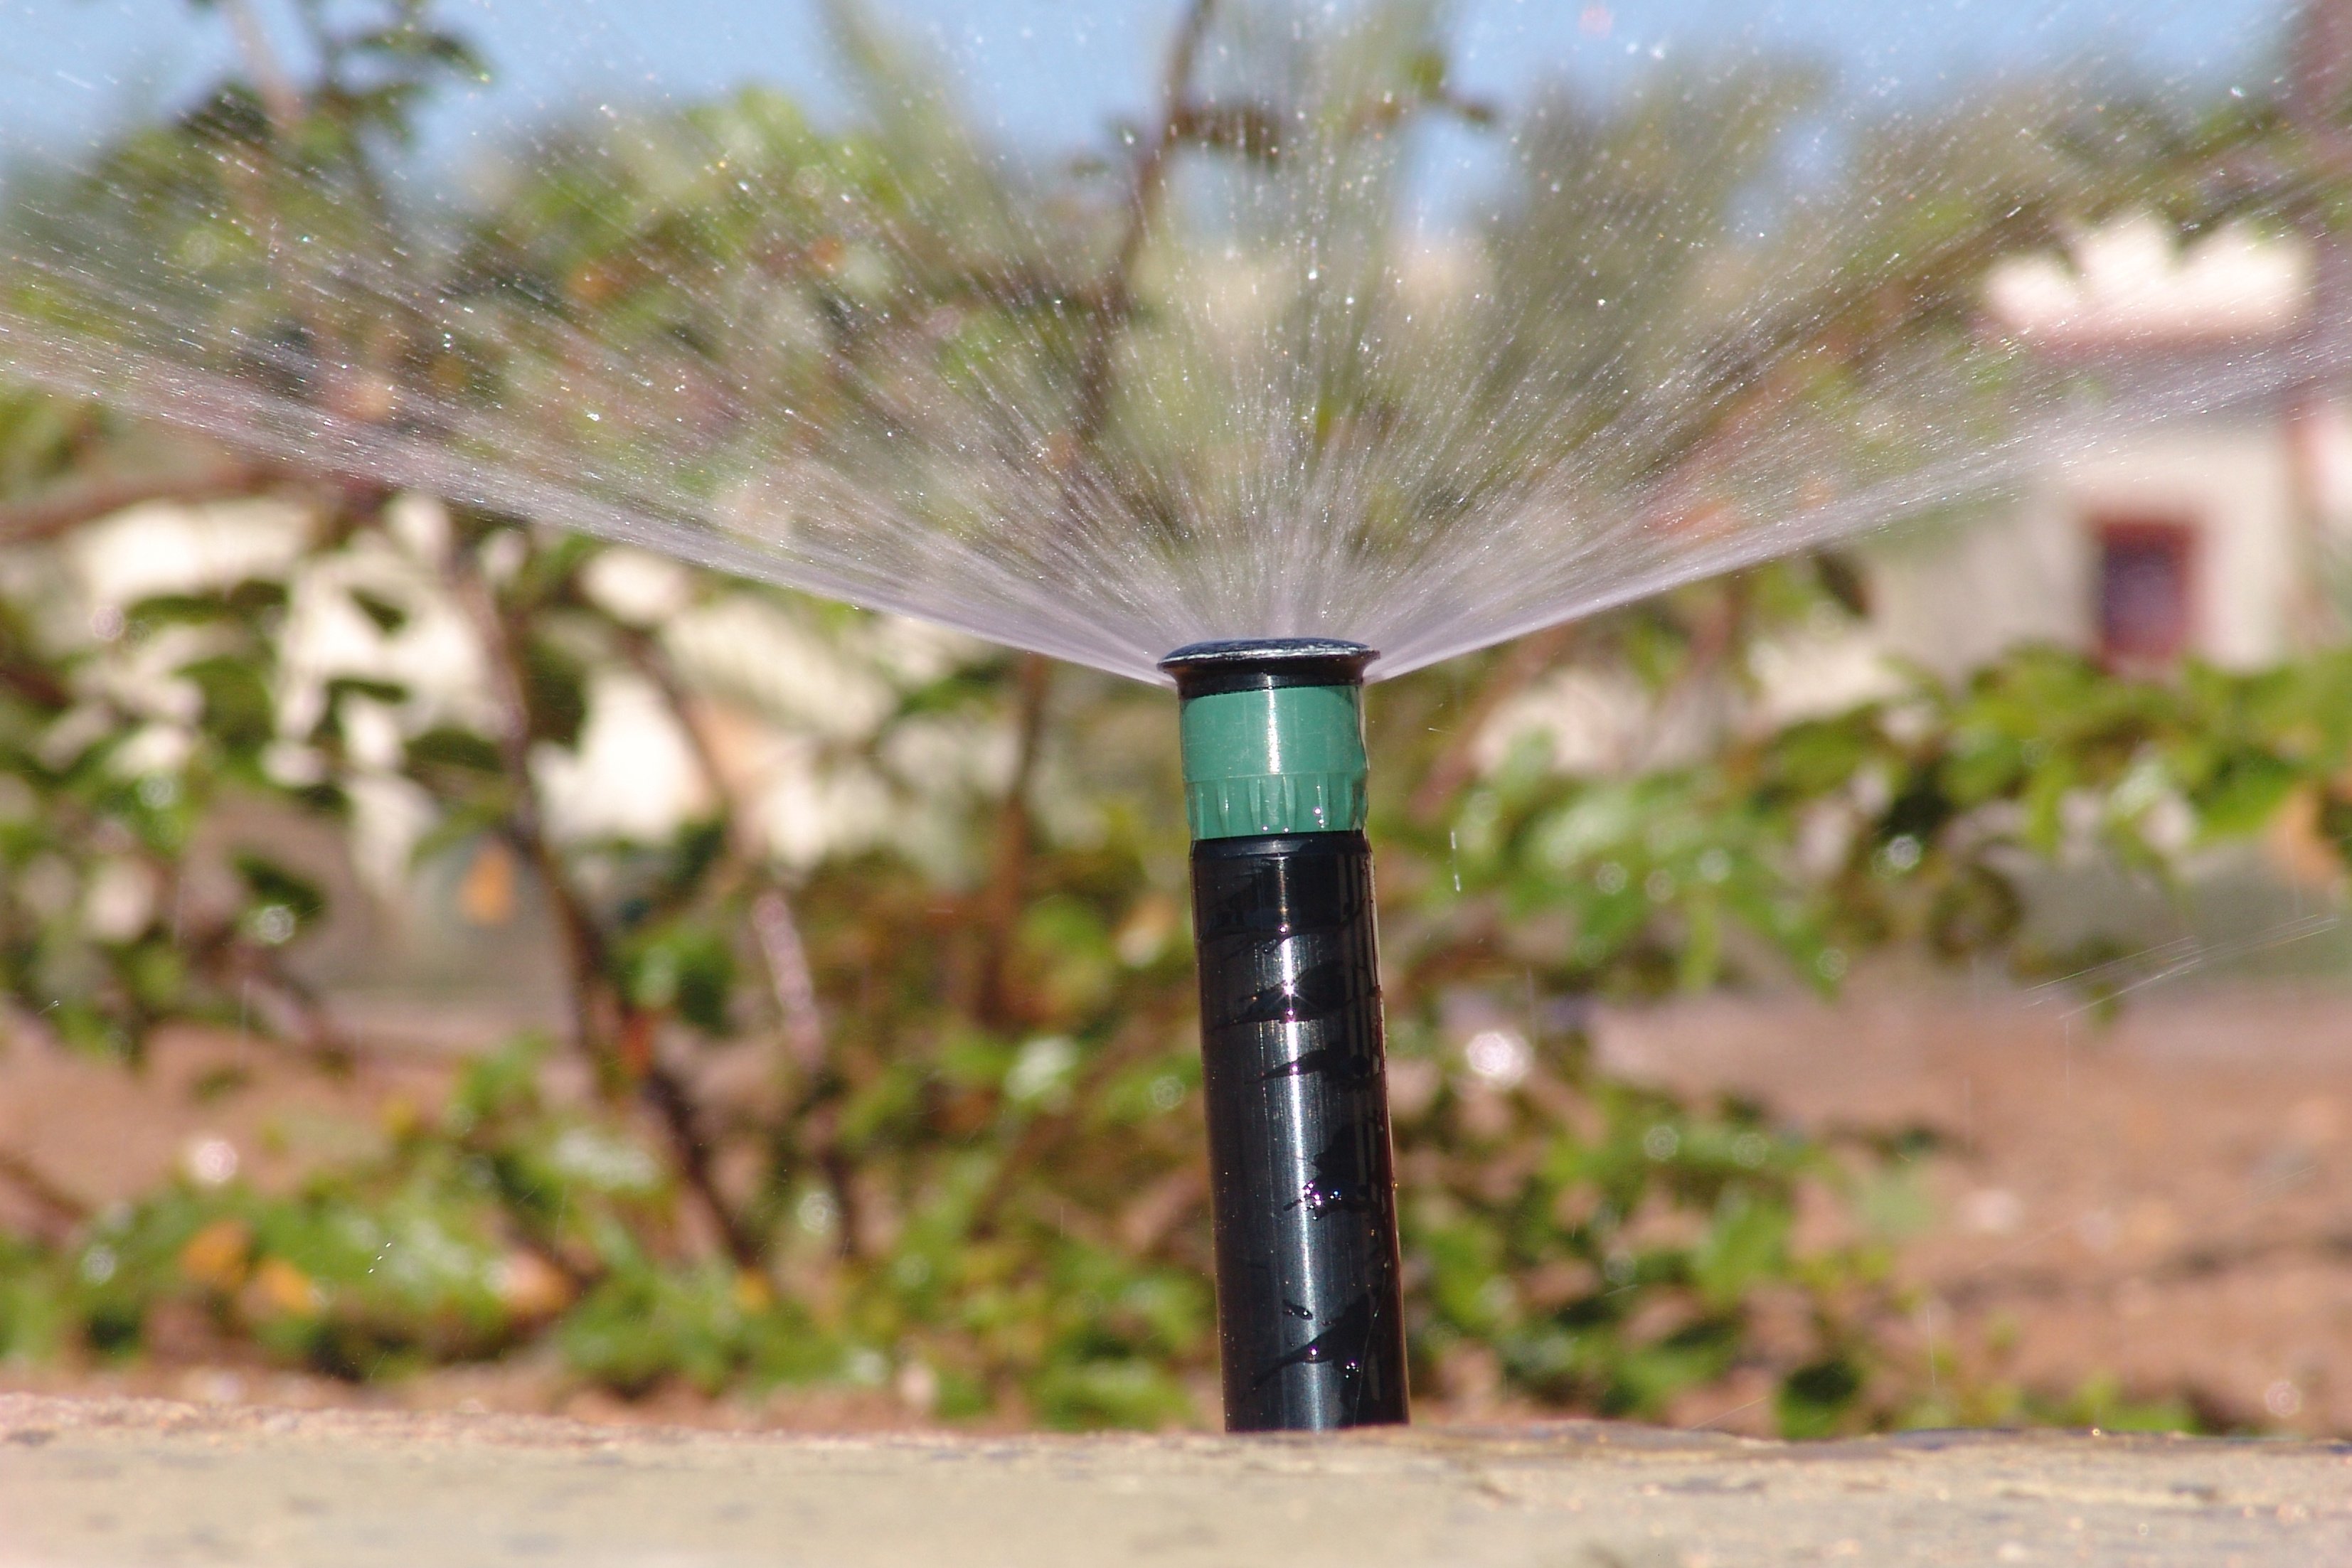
(1273, 735)
(1266, 663)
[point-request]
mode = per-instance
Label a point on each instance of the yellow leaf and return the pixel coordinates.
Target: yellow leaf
(215, 1257)
(281, 1288)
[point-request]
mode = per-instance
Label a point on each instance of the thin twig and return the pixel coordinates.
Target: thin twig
(790, 977)
(1146, 192)
(280, 99)
(791, 980)
(1129, 1046)
(46, 517)
(989, 995)
(683, 1122)
(998, 909)
(603, 1024)
(301, 1013)
(28, 1178)
(593, 1007)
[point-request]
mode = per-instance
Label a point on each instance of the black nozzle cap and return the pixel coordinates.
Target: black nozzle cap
(1264, 663)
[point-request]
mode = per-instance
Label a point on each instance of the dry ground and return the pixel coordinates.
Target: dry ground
(2165, 1200)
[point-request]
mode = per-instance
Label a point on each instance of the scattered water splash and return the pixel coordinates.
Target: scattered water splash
(1224, 384)
(2163, 963)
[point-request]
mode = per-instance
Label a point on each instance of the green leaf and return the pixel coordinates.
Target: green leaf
(268, 883)
(555, 685)
(1813, 1400)
(237, 708)
(388, 617)
(1745, 1242)
(687, 969)
(2245, 795)
(447, 746)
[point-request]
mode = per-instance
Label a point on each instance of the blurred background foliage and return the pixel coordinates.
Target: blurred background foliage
(906, 1095)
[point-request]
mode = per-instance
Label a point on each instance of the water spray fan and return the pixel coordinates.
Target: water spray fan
(1302, 1188)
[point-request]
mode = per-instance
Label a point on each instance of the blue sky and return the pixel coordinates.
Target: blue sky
(1053, 72)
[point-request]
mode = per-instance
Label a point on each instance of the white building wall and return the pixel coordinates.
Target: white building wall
(2235, 484)
(1954, 598)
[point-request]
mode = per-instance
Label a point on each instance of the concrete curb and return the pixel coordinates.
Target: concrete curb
(155, 1484)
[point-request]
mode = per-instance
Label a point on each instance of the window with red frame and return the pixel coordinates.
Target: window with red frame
(2145, 587)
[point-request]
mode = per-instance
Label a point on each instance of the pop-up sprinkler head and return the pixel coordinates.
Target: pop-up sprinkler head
(1301, 1180)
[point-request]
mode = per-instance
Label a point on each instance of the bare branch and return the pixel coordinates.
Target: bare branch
(280, 99)
(1147, 189)
(790, 979)
(595, 1009)
(682, 1121)
(1179, 120)
(46, 516)
(61, 1207)
(789, 976)
(998, 908)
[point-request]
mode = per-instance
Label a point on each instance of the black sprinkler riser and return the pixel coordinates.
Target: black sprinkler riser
(1302, 1182)
(1301, 1179)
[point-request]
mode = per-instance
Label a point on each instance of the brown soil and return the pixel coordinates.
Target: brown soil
(2164, 1201)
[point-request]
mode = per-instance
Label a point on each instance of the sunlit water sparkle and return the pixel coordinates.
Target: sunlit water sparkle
(857, 363)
